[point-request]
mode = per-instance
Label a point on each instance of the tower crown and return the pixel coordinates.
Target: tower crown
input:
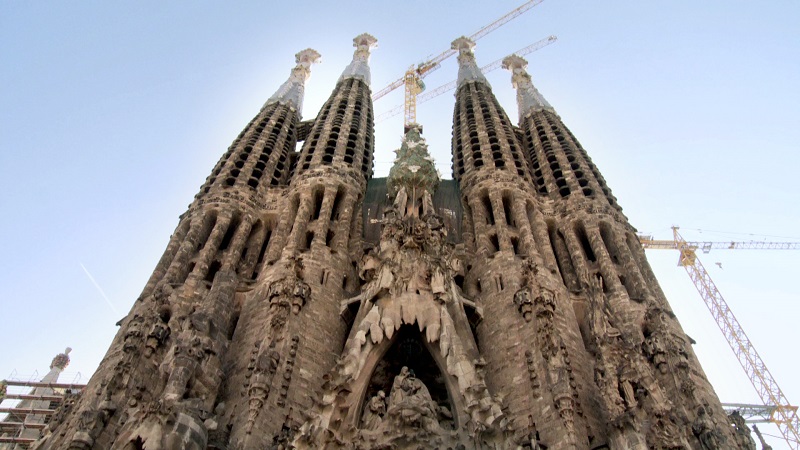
(359, 67)
(291, 92)
(413, 168)
(528, 97)
(468, 70)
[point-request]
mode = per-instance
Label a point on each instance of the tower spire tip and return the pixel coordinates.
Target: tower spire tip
(307, 57)
(359, 67)
(467, 66)
(528, 97)
(291, 92)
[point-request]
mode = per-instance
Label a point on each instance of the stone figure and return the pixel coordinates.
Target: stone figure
(522, 299)
(703, 427)
(400, 201)
(411, 403)
(158, 335)
(397, 393)
(90, 424)
(133, 334)
(188, 355)
(656, 352)
(666, 432)
(741, 432)
(266, 365)
(162, 293)
(374, 411)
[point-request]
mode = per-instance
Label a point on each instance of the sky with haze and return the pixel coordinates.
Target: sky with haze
(113, 113)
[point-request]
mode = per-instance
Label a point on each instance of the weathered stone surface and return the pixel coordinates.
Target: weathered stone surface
(295, 307)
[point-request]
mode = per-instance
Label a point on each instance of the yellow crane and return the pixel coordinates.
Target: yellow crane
(412, 79)
(451, 85)
(782, 413)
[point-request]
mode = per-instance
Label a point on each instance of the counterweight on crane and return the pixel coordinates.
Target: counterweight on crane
(412, 79)
(783, 415)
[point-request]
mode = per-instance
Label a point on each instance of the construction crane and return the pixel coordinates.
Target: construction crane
(751, 413)
(451, 85)
(782, 413)
(412, 79)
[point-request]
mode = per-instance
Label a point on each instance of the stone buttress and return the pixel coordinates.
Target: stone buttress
(648, 390)
(160, 382)
(290, 329)
(528, 335)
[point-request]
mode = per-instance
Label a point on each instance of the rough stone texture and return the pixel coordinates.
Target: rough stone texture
(300, 304)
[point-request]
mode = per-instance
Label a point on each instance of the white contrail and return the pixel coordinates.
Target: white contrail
(99, 289)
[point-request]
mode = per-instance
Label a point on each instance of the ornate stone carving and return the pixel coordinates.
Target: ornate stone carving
(706, 431)
(532, 373)
(374, 411)
(134, 332)
(156, 338)
(410, 404)
(522, 299)
(667, 432)
(664, 348)
(741, 433)
(265, 365)
(90, 423)
(286, 293)
(409, 281)
(160, 426)
(189, 358)
(61, 360)
(287, 371)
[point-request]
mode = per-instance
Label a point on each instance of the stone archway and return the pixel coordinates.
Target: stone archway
(408, 349)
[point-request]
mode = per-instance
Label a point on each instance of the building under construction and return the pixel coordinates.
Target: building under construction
(302, 303)
(29, 406)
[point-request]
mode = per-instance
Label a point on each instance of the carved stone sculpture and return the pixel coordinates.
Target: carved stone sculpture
(706, 431)
(158, 335)
(410, 403)
(374, 411)
(91, 422)
(522, 299)
(133, 334)
(742, 433)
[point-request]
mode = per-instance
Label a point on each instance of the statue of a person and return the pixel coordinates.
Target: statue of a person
(703, 427)
(397, 394)
(411, 402)
(374, 411)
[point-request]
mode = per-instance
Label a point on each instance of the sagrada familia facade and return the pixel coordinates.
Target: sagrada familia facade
(303, 304)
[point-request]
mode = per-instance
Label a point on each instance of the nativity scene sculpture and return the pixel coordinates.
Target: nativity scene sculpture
(409, 283)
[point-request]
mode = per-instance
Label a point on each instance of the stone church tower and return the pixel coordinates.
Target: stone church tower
(303, 304)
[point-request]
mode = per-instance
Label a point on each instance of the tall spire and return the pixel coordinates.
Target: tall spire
(359, 67)
(468, 69)
(291, 92)
(528, 97)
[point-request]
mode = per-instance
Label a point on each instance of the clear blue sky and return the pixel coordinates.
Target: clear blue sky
(113, 114)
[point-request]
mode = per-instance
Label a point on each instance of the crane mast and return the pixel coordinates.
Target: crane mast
(411, 101)
(412, 79)
(782, 413)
